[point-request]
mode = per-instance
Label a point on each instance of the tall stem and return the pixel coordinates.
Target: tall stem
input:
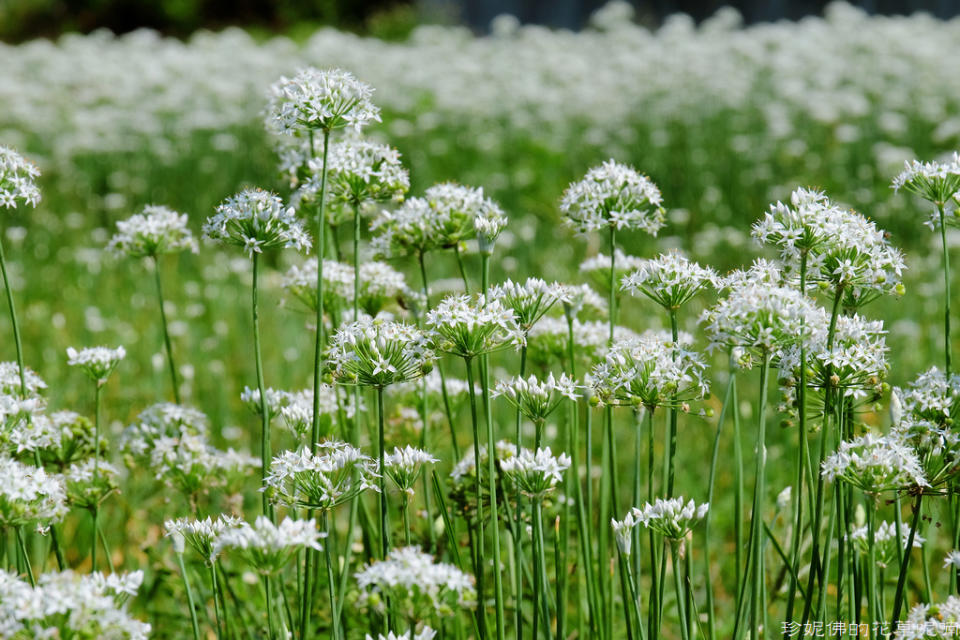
(542, 565)
(190, 601)
(481, 556)
(96, 470)
(872, 560)
(708, 587)
(946, 291)
(321, 246)
(678, 588)
(905, 564)
(13, 321)
(675, 334)
(518, 519)
(756, 546)
(331, 585)
(166, 333)
(262, 388)
(381, 450)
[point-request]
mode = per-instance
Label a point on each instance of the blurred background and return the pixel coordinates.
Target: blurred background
(24, 19)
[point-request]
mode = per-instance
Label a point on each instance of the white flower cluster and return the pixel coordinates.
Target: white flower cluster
(415, 585)
(192, 465)
(598, 266)
(650, 371)
(70, 605)
(535, 398)
(60, 438)
(937, 182)
(535, 473)
(403, 466)
(885, 546)
(335, 474)
(468, 326)
(321, 100)
(931, 396)
(10, 380)
(154, 231)
(530, 300)
(97, 362)
(806, 224)
(29, 495)
(201, 535)
(926, 621)
(548, 341)
(875, 464)
(672, 518)
(378, 353)
(257, 221)
(162, 420)
(89, 482)
(17, 180)
(613, 195)
(424, 634)
(446, 215)
(380, 285)
(670, 280)
(359, 172)
(268, 547)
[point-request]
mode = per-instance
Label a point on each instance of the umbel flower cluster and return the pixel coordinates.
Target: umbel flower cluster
(154, 231)
(257, 221)
(17, 180)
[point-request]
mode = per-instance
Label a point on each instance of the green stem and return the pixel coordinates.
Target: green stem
(96, 470)
(190, 601)
(18, 343)
(542, 566)
(381, 451)
(871, 506)
(946, 291)
(675, 333)
(215, 588)
(708, 587)
(623, 564)
(331, 584)
(463, 271)
(478, 534)
(518, 518)
(756, 516)
(261, 387)
(678, 588)
(905, 564)
(26, 556)
(166, 333)
(318, 341)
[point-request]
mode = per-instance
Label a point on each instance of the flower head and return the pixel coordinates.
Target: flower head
(415, 585)
(530, 300)
(936, 182)
(17, 180)
(257, 221)
(403, 466)
(335, 474)
(97, 362)
(875, 464)
(359, 172)
(673, 518)
(377, 353)
(613, 195)
(162, 420)
(199, 534)
(268, 547)
(885, 542)
(154, 231)
(670, 280)
(10, 380)
(321, 100)
(90, 482)
(29, 495)
(535, 473)
(536, 399)
(380, 285)
(468, 326)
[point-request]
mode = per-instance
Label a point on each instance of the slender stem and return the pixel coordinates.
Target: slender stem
(166, 333)
(541, 562)
(26, 556)
(905, 564)
(623, 565)
(518, 518)
(404, 508)
(478, 534)
(96, 469)
(708, 587)
(678, 588)
(331, 584)
(737, 481)
(758, 502)
(18, 343)
(381, 450)
(190, 601)
(262, 388)
(946, 291)
(463, 271)
(268, 595)
(318, 342)
(675, 333)
(217, 599)
(871, 506)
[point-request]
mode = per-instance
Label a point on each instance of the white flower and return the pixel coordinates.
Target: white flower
(535, 473)
(154, 231)
(257, 221)
(10, 380)
(335, 474)
(875, 464)
(380, 285)
(933, 181)
(670, 280)
(160, 420)
(673, 518)
(931, 621)
(268, 547)
(623, 531)
(649, 371)
(952, 559)
(377, 353)
(359, 172)
(192, 465)
(29, 495)
(97, 362)
(530, 300)
(320, 100)
(403, 466)
(885, 546)
(200, 534)
(416, 585)
(17, 180)
(470, 326)
(89, 482)
(424, 634)
(536, 399)
(613, 195)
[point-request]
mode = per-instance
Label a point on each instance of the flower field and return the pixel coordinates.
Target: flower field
(610, 334)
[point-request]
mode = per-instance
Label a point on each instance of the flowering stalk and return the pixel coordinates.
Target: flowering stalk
(190, 601)
(382, 498)
(872, 595)
(18, 343)
(609, 486)
(755, 541)
(481, 556)
(678, 588)
(708, 582)
(321, 246)
(331, 585)
(946, 289)
(261, 387)
(166, 334)
(905, 564)
(518, 519)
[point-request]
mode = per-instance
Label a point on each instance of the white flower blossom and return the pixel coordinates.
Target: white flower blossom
(154, 231)
(616, 196)
(257, 221)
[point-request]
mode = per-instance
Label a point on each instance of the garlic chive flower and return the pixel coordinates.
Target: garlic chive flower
(60, 439)
(649, 371)
(90, 482)
(17, 180)
(808, 223)
(201, 535)
(156, 230)
(378, 353)
(266, 547)
(193, 466)
(581, 298)
(10, 380)
(536, 474)
(335, 474)
(547, 342)
(935, 182)
(530, 301)
(468, 326)
(29, 495)
(672, 518)
(446, 215)
(613, 195)
(380, 286)
(875, 464)
(884, 537)
(403, 466)
(257, 221)
(536, 399)
(97, 362)
(162, 420)
(424, 634)
(360, 172)
(416, 586)
(670, 280)
(952, 559)
(927, 621)
(296, 413)
(931, 396)
(597, 268)
(320, 100)
(758, 317)
(623, 531)
(70, 605)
